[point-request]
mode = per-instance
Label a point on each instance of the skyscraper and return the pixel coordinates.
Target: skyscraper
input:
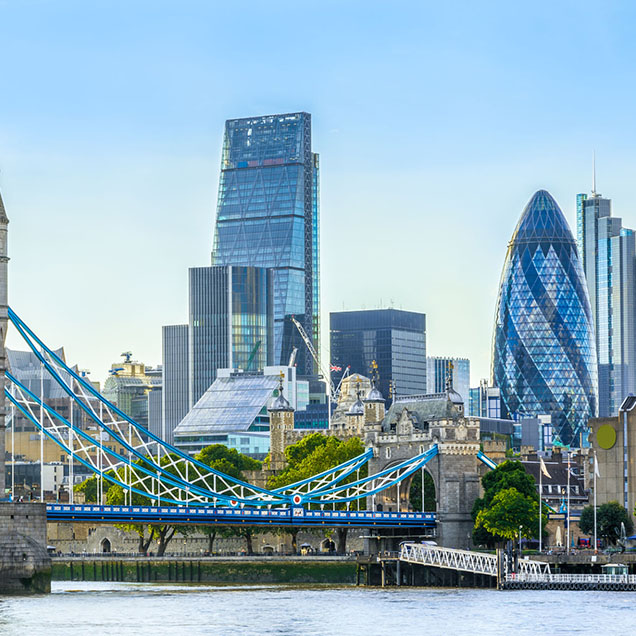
(544, 354)
(437, 373)
(395, 339)
(268, 216)
(231, 322)
(175, 394)
(609, 263)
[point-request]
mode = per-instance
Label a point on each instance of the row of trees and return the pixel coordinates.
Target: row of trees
(510, 507)
(313, 454)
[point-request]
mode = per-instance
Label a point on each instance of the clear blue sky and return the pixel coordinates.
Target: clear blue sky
(435, 123)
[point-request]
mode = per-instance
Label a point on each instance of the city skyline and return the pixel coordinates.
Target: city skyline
(123, 152)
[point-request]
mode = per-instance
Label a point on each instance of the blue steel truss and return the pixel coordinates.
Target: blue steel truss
(164, 474)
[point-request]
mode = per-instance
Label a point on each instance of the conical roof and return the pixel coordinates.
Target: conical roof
(3, 213)
(542, 219)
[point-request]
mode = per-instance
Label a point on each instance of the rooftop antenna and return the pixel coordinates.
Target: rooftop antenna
(594, 173)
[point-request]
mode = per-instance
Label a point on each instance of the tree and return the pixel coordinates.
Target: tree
(229, 461)
(609, 517)
(499, 515)
(415, 492)
(509, 514)
(314, 454)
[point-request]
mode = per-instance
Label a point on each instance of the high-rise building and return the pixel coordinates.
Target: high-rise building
(485, 401)
(395, 339)
(544, 354)
(176, 373)
(231, 322)
(437, 368)
(268, 216)
(609, 262)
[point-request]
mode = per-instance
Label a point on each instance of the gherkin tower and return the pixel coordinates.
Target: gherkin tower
(544, 354)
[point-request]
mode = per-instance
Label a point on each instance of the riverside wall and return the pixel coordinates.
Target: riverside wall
(220, 570)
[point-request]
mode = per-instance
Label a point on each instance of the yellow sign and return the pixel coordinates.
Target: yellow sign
(606, 436)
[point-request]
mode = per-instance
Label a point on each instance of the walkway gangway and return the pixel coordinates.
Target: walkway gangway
(465, 560)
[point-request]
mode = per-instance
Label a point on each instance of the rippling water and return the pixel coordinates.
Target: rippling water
(143, 608)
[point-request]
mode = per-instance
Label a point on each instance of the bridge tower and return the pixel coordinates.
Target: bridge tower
(4, 305)
(411, 425)
(25, 566)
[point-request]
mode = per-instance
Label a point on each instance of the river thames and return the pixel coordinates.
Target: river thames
(142, 608)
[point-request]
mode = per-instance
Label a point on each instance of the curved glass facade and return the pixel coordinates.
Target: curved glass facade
(544, 354)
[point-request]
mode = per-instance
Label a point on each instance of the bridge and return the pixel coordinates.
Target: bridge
(180, 489)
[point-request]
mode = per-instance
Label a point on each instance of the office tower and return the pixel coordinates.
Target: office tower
(268, 216)
(609, 263)
(437, 368)
(176, 373)
(395, 339)
(544, 354)
(485, 401)
(231, 321)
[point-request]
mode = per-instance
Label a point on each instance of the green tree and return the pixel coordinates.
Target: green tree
(495, 522)
(314, 454)
(609, 517)
(415, 492)
(229, 461)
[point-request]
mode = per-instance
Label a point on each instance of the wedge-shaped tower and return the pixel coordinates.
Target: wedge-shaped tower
(544, 354)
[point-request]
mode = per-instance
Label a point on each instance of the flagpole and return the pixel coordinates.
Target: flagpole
(568, 512)
(540, 504)
(595, 471)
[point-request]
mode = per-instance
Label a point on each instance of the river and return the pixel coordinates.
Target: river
(115, 609)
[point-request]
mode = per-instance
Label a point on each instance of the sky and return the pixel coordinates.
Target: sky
(435, 124)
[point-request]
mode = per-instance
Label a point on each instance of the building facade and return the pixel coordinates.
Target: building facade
(395, 339)
(437, 368)
(609, 262)
(485, 401)
(544, 353)
(231, 322)
(175, 394)
(268, 216)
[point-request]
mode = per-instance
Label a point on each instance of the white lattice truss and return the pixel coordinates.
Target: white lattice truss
(465, 560)
(143, 465)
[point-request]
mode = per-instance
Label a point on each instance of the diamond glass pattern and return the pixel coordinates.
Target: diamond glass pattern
(544, 354)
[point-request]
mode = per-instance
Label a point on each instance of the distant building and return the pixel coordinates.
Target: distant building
(608, 252)
(231, 322)
(544, 353)
(437, 368)
(394, 338)
(175, 392)
(128, 387)
(268, 216)
(234, 408)
(485, 401)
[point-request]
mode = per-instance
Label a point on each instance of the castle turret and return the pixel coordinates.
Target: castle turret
(281, 422)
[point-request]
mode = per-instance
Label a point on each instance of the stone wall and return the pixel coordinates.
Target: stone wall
(25, 566)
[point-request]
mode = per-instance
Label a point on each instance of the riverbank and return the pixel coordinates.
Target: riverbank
(253, 570)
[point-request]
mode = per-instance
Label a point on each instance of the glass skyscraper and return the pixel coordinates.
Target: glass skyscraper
(268, 216)
(231, 322)
(609, 262)
(437, 374)
(395, 339)
(544, 354)
(176, 379)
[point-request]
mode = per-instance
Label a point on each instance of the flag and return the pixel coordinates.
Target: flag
(596, 472)
(544, 470)
(335, 368)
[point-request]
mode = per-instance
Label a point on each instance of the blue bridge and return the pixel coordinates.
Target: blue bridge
(162, 484)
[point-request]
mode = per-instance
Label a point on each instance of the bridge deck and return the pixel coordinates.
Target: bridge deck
(185, 515)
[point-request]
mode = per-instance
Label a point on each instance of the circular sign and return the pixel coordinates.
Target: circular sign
(606, 436)
(297, 499)
(234, 503)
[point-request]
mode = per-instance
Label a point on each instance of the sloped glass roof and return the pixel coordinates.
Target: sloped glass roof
(230, 404)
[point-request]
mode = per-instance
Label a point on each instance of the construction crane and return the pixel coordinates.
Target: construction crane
(257, 346)
(314, 355)
(127, 355)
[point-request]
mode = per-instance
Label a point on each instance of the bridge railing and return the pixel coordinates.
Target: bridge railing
(449, 558)
(570, 578)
